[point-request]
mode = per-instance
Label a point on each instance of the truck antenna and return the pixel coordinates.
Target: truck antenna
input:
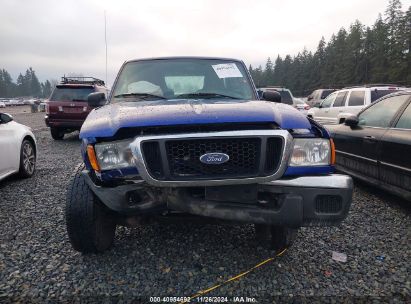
(105, 39)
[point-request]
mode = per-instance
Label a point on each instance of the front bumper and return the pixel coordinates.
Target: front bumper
(300, 201)
(63, 123)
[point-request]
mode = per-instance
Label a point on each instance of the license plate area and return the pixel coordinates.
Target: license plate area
(240, 194)
(72, 110)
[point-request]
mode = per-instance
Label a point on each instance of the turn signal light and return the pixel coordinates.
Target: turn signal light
(332, 152)
(92, 158)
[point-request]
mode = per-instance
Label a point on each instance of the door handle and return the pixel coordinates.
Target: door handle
(340, 111)
(369, 137)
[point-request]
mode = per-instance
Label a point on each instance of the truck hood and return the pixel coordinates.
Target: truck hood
(107, 120)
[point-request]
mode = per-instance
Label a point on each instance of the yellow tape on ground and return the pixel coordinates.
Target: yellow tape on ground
(203, 292)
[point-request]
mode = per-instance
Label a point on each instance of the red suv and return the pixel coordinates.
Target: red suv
(67, 107)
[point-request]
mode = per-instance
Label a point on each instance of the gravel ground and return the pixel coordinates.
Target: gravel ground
(37, 263)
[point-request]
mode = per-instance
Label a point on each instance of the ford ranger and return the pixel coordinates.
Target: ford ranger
(191, 136)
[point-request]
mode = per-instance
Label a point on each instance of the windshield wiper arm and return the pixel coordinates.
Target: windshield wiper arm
(141, 95)
(205, 95)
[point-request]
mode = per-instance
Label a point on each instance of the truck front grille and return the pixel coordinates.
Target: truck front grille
(179, 159)
(184, 157)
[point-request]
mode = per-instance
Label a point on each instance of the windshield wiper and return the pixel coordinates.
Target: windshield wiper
(205, 95)
(139, 95)
(78, 100)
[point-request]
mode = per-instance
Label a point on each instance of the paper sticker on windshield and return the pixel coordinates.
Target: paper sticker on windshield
(227, 70)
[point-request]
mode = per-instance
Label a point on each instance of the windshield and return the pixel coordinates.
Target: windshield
(182, 78)
(71, 94)
(286, 97)
(325, 93)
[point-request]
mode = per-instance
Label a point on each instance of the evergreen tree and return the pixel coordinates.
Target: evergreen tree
(354, 60)
(268, 72)
(405, 35)
(35, 88)
(278, 71)
(396, 44)
(46, 89)
(9, 86)
(21, 86)
(378, 52)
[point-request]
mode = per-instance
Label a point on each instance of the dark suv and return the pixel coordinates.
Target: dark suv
(67, 107)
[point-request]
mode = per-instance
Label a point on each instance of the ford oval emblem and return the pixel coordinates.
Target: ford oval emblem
(214, 158)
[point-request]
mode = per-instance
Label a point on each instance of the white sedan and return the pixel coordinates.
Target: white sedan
(17, 148)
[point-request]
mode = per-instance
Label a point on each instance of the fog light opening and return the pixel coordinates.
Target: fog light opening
(268, 199)
(135, 198)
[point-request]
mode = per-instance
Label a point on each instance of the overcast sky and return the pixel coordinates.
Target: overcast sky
(62, 37)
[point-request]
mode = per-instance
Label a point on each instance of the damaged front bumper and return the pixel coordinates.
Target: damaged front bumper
(293, 202)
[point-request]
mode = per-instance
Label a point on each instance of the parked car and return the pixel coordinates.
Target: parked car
(286, 95)
(375, 145)
(2, 104)
(67, 107)
(18, 148)
(317, 96)
(14, 102)
(190, 135)
(300, 105)
(349, 101)
(288, 98)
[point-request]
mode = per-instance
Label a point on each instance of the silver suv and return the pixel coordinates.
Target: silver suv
(316, 97)
(348, 101)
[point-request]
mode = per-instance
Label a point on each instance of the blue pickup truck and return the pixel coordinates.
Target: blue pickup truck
(192, 136)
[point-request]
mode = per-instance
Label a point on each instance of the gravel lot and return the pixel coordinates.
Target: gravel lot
(37, 263)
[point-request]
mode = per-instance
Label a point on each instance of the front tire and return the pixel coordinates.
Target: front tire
(27, 159)
(57, 133)
(275, 237)
(89, 226)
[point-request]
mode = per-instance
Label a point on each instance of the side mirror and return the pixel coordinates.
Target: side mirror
(351, 121)
(272, 96)
(310, 98)
(96, 99)
(5, 118)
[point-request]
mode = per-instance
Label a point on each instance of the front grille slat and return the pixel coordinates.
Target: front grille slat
(182, 157)
(152, 156)
(273, 154)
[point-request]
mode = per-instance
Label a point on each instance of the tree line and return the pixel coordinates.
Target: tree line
(25, 85)
(380, 53)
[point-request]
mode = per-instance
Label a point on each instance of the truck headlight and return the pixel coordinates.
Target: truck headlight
(114, 155)
(311, 152)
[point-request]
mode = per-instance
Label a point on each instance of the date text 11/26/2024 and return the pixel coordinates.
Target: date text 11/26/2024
(202, 299)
